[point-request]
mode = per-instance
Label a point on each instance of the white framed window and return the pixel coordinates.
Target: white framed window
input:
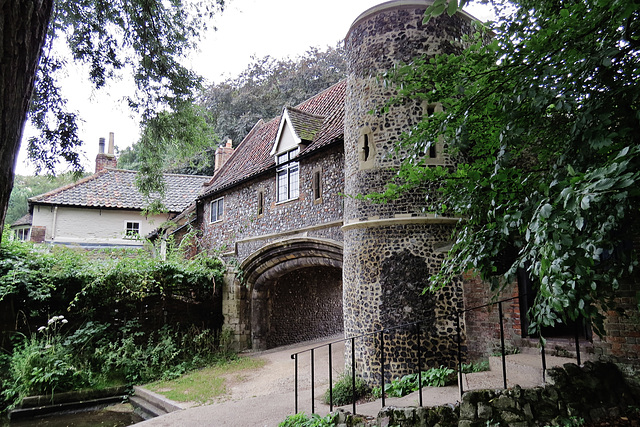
(287, 176)
(216, 209)
(131, 230)
(22, 234)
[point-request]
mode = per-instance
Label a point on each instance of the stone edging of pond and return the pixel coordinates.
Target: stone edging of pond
(33, 406)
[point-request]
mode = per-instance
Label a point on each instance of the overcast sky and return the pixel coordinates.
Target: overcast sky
(278, 28)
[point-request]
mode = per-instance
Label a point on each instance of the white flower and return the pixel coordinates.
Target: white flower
(65, 321)
(41, 328)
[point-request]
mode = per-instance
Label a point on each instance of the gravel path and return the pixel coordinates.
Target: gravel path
(265, 396)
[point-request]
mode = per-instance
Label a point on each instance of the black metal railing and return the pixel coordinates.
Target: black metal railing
(416, 326)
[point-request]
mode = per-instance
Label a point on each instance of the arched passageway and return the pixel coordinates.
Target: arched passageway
(296, 291)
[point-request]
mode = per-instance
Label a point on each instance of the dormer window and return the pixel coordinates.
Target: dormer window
(297, 129)
(287, 176)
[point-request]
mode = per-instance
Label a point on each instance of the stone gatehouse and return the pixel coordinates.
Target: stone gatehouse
(308, 262)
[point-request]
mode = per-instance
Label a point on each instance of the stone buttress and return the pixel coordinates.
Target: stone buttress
(391, 249)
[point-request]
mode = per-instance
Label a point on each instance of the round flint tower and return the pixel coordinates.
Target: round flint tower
(391, 249)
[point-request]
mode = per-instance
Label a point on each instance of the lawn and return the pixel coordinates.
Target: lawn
(206, 384)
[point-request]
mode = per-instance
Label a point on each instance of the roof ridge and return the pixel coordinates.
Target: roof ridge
(298, 110)
(186, 174)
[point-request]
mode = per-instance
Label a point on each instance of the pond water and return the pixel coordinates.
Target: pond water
(119, 415)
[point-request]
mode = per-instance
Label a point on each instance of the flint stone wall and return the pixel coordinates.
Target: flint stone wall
(386, 266)
(594, 392)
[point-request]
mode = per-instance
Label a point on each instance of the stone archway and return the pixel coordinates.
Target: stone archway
(296, 291)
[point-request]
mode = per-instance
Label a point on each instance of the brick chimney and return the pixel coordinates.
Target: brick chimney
(222, 155)
(108, 159)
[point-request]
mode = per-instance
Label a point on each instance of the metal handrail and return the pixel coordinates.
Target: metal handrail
(415, 324)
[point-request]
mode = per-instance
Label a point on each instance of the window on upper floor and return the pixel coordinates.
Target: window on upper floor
(316, 186)
(287, 176)
(131, 230)
(216, 209)
(260, 203)
(434, 152)
(366, 149)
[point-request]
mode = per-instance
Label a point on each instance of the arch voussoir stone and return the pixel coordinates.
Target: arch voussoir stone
(274, 260)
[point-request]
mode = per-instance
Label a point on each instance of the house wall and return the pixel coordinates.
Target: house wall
(620, 342)
(311, 296)
(242, 232)
(98, 226)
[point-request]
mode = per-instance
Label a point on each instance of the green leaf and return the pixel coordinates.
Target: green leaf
(585, 202)
(452, 8)
(545, 211)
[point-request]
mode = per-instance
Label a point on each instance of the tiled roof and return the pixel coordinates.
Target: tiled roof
(305, 124)
(252, 157)
(115, 188)
(25, 220)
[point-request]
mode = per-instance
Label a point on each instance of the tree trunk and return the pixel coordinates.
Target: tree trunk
(23, 27)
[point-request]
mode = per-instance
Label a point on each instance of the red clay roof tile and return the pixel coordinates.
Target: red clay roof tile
(115, 188)
(252, 156)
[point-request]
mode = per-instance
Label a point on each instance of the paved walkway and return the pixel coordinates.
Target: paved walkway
(265, 397)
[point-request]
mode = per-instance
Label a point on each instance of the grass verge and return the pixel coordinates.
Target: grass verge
(206, 384)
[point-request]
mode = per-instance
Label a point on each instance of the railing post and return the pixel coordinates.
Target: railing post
(419, 361)
(460, 386)
(577, 333)
(504, 362)
(382, 365)
(295, 358)
(330, 380)
(313, 403)
(544, 363)
(353, 373)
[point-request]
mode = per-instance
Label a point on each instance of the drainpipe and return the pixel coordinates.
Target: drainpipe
(55, 221)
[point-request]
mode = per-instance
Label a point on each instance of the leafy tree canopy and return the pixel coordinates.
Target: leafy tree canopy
(148, 38)
(543, 120)
(232, 108)
(268, 84)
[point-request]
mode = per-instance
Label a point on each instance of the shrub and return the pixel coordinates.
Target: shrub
(481, 366)
(43, 364)
(343, 390)
(303, 420)
(105, 294)
(434, 377)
